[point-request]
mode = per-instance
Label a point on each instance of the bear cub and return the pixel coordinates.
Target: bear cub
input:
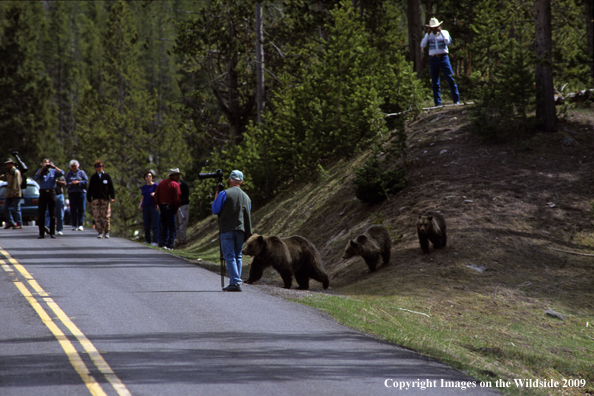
(431, 227)
(292, 256)
(372, 245)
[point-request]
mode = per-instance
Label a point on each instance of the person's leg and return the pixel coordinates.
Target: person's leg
(7, 214)
(60, 213)
(84, 207)
(446, 68)
(74, 208)
(171, 228)
(146, 221)
(51, 204)
(434, 69)
(239, 237)
(106, 214)
(228, 248)
(18, 219)
(96, 206)
(155, 220)
(41, 209)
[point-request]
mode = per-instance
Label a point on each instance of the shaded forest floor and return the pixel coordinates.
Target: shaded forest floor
(520, 220)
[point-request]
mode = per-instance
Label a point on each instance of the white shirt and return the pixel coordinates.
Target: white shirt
(438, 43)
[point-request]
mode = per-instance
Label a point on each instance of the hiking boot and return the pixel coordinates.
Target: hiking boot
(232, 288)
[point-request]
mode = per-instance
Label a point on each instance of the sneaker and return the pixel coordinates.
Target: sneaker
(41, 237)
(17, 227)
(9, 225)
(74, 228)
(80, 228)
(106, 235)
(100, 236)
(53, 236)
(154, 244)
(60, 233)
(232, 288)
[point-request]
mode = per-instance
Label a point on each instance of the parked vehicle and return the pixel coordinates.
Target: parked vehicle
(29, 201)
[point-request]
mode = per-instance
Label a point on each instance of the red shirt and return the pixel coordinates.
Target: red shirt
(168, 192)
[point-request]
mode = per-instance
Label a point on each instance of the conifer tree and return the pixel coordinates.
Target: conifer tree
(120, 125)
(27, 115)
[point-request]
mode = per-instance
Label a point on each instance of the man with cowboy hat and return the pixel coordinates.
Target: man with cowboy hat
(438, 41)
(13, 195)
(168, 200)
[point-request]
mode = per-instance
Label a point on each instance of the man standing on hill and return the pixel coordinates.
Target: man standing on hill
(168, 200)
(13, 195)
(438, 41)
(233, 207)
(101, 194)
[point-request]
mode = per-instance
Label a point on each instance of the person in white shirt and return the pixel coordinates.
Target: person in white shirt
(438, 41)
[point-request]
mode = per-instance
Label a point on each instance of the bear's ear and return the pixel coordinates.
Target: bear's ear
(353, 243)
(430, 218)
(361, 238)
(260, 239)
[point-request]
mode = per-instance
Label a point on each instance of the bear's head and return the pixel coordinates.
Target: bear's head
(354, 247)
(424, 224)
(254, 245)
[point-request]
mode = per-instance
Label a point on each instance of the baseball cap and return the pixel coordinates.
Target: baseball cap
(236, 175)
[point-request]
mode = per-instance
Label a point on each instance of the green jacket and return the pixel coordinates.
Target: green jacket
(235, 214)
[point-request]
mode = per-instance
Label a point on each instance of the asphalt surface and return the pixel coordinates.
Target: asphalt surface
(141, 321)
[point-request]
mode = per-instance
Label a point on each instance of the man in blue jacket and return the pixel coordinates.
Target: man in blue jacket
(46, 177)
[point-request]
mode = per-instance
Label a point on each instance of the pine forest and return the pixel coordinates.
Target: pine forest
(275, 88)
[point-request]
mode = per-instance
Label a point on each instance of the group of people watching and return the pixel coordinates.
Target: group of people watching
(165, 205)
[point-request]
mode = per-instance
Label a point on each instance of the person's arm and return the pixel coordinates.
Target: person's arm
(111, 189)
(446, 37)
(424, 40)
(140, 204)
(84, 180)
(217, 205)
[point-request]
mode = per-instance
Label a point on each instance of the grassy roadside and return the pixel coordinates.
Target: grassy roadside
(520, 239)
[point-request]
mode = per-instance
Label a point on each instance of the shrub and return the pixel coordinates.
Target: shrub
(373, 184)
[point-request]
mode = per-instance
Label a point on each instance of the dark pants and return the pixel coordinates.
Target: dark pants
(77, 208)
(167, 231)
(150, 217)
(47, 200)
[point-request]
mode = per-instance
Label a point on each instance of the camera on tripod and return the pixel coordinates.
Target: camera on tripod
(218, 174)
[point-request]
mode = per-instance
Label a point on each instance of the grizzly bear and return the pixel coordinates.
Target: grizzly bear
(290, 256)
(372, 245)
(431, 227)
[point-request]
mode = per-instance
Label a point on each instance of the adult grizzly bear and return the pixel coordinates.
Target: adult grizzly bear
(372, 245)
(290, 256)
(431, 227)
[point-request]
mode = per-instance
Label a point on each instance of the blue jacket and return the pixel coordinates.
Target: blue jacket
(79, 175)
(47, 180)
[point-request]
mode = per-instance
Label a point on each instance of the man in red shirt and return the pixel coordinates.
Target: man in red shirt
(168, 201)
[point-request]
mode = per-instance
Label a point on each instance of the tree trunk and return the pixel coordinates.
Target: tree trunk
(589, 10)
(259, 64)
(428, 14)
(545, 101)
(415, 31)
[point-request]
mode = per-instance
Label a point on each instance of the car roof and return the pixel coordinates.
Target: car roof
(30, 182)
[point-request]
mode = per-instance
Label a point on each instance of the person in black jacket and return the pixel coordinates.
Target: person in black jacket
(101, 194)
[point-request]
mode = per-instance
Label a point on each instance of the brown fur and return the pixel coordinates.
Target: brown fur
(372, 245)
(431, 227)
(292, 256)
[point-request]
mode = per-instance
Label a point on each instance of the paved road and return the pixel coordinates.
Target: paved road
(81, 315)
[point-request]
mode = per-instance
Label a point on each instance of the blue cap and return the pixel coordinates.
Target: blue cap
(236, 175)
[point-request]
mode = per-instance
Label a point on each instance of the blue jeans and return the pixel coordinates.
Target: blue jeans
(77, 208)
(167, 224)
(59, 214)
(16, 205)
(437, 63)
(150, 217)
(232, 244)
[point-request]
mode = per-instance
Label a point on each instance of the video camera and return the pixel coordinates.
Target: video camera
(218, 174)
(20, 165)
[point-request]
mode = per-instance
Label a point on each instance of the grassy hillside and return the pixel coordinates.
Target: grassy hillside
(520, 223)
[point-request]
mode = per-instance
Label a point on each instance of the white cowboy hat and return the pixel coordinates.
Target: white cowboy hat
(433, 22)
(174, 171)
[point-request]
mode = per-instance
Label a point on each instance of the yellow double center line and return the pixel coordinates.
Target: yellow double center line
(71, 352)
